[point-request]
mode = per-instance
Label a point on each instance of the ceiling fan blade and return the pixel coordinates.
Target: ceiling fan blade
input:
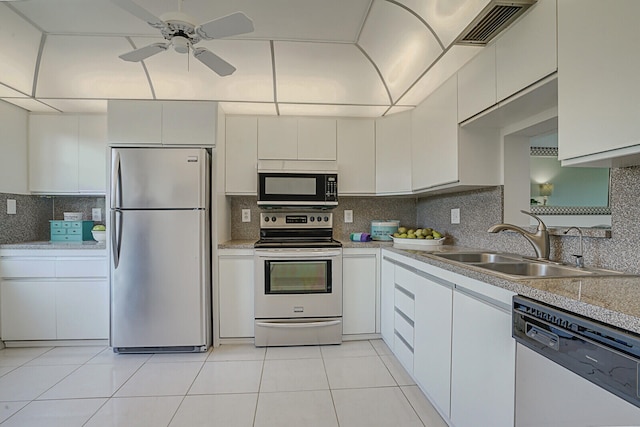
(213, 61)
(230, 25)
(141, 13)
(144, 52)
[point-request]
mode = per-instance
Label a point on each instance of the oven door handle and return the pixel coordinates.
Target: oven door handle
(296, 254)
(298, 325)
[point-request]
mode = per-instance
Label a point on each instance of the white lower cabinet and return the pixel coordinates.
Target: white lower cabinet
(432, 349)
(359, 290)
(387, 286)
(453, 335)
(42, 298)
(235, 296)
(482, 365)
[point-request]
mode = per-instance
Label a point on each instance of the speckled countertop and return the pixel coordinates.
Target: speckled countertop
(45, 244)
(614, 300)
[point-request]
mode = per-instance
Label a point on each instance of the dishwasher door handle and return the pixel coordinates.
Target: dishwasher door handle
(547, 338)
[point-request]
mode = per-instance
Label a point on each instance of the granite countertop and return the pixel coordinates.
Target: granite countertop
(614, 300)
(45, 244)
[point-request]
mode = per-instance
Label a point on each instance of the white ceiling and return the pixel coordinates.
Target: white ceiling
(329, 57)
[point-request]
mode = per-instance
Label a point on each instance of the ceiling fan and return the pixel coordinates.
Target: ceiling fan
(181, 32)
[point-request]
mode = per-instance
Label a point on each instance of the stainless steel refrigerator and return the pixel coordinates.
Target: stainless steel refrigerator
(160, 250)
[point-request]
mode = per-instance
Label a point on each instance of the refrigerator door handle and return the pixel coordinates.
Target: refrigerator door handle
(116, 181)
(116, 236)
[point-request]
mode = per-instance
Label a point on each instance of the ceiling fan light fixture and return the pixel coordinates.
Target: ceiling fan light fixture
(180, 44)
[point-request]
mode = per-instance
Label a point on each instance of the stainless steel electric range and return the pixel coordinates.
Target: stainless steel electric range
(298, 280)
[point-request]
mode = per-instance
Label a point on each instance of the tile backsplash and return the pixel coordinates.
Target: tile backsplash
(31, 221)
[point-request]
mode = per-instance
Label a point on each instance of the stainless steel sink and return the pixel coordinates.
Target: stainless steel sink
(476, 257)
(534, 269)
(518, 267)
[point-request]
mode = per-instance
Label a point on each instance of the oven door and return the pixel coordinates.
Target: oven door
(298, 283)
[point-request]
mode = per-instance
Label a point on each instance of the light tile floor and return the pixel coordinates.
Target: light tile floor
(358, 383)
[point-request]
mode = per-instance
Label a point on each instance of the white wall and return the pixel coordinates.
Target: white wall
(13, 149)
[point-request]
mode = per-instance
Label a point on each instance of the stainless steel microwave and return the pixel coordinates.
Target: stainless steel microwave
(313, 189)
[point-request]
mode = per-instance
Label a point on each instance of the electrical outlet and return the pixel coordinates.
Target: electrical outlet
(96, 214)
(348, 216)
(246, 215)
(455, 216)
(11, 206)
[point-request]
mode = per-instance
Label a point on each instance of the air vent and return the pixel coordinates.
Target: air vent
(497, 16)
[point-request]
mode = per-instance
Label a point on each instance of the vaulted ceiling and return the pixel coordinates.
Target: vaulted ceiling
(309, 57)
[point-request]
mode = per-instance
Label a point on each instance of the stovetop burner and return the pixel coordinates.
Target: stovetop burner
(287, 244)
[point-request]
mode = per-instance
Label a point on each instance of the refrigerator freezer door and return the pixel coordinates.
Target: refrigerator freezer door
(158, 178)
(158, 294)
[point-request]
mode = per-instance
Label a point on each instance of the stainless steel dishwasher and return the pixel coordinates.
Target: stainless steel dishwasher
(572, 371)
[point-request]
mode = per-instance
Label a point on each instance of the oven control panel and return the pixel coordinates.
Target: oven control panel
(296, 220)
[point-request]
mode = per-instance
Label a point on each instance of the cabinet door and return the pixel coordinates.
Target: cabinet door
(441, 156)
(241, 155)
(316, 139)
(387, 287)
(92, 154)
(236, 288)
(359, 293)
(432, 348)
(82, 309)
(138, 122)
(393, 151)
(477, 84)
(356, 141)
(277, 138)
(53, 153)
(527, 52)
(27, 310)
(189, 123)
(598, 71)
(483, 364)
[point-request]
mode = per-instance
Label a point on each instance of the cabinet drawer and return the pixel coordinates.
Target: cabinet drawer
(56, 224)
(403, 353)
(66, 238)
(39, 267)
(75, 224)
(82, 267)
(403, 328)
(405, 301)
(58, 231)
(66, 224)
(74, 231)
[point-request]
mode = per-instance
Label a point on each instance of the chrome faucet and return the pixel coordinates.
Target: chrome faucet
(539, 240)
(580, 256)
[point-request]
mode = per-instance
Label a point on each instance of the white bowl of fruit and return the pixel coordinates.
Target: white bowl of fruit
(416, 237)
(99, 233)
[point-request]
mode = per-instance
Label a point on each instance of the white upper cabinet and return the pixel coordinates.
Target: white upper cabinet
(356, 156)
(166, 122)
(137, 122)
(477, 84)
(393, 154)
(520, 57)
(189, 123)
(53, 153)
(527, 52)
(316, 139)
(277, 138)
(67, 154)
(290, 138)
(598, 90)
(92, 154)
(241, 155)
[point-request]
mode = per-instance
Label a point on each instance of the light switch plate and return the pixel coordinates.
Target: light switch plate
(348, 216)
(455, 216)
(11, 206)
(246, 215)
(96, 214)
